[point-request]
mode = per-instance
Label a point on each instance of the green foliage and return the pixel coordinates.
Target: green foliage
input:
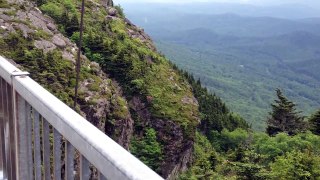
(124, 59)
(64, 13)
(272, 147)
(245, 155)
(53, 10)
(120, 10)
(205, 157)
(214, 113)
(42, 34)
(4, 4)
(147, 149)
(314, 122)
(40, 2)
(227, 140)
(296, 165)
(50, 70)
(10, 13)
(248, 171)
(284, 117)
(72, 24)
(242, 70)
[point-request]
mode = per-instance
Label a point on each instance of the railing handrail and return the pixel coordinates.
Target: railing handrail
(113, 161)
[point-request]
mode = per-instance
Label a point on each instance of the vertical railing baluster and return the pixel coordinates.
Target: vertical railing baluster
(101, 176)
(29, 139)
(9, 132)
(57, 154)
(2, 135)
(46, 149)
(24, 144)
(84, 168)
(37, 148)
(7, 173)
(69, 172)
(6, 130)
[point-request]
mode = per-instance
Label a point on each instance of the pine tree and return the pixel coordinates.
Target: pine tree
(284, 117)
(314, 122)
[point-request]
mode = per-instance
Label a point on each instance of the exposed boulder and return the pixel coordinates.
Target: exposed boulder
(58, 41)
(112, 11)
(51, 27)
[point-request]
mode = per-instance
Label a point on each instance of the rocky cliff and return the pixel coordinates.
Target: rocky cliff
(33, 41)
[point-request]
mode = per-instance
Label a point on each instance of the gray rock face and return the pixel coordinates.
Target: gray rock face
(51, 27)
(106, 3)
(45, 45)
(58, 41)
(5, 17)
(22, 15)
(25, 29)
(68, 55)
(39, 21)
(112, 12)
(111, 18)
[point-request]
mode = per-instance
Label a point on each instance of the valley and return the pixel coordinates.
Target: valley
(240, 58)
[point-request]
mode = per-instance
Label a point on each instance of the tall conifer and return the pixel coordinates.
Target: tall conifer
(315, 123)
(284, 117)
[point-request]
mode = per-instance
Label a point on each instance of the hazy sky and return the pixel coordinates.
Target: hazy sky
(311, 3)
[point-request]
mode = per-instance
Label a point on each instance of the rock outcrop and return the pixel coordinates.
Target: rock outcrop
(97, 103)
(178, 149)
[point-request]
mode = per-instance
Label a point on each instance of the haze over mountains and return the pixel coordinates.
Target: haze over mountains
(283, 9)
(241, 52)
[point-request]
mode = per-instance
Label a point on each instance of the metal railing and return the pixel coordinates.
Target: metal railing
(42, 138)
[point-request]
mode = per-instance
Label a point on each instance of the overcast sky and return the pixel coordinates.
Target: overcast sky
(311, 3)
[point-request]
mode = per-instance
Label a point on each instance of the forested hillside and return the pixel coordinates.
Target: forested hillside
(163, 115)
(242, 59)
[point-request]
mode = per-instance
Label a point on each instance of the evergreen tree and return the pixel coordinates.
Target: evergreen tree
(40, 2)
(314, 122)
(72, 25)
(284, 117)
(148, 149)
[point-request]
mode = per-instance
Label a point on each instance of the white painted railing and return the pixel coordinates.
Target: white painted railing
(39, 135)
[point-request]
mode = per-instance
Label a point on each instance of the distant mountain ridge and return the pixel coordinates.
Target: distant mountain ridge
(242, 59)
(280, 10)
(225, 24)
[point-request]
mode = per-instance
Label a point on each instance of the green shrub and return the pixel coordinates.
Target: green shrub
(147, 149)
(296, 165)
